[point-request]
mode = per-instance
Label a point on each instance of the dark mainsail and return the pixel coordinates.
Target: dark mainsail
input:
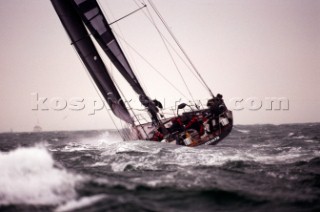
(83, 44)
(98, 26)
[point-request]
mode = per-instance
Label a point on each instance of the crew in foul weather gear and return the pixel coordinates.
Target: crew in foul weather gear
(177, 125)
(196, 124)
(152, 108)
(157, 136)
(217, 107)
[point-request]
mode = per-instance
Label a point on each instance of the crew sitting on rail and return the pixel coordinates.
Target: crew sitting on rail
(217, 105)
(196, 123)
(157, 136)
(177, 125)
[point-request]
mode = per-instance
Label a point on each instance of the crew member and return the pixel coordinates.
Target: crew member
(157, 136)
(152, 108)
(197, 124)
(217, 107)
(177, 125)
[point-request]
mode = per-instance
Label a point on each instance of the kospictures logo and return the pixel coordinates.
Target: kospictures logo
(93, 105)
(255, 103)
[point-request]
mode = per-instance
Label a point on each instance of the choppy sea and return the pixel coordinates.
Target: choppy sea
(256, 168)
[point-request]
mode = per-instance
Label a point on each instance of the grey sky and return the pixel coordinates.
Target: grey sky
(245, 48)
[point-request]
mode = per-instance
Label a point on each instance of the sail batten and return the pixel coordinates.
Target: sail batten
(98, 25)
(83, 44)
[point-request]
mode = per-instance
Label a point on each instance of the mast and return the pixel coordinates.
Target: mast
(89, 55)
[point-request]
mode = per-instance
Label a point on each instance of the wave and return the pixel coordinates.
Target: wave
(136, 155)
(243, 131)
(31, 176)
(120, 155)
(80, 203)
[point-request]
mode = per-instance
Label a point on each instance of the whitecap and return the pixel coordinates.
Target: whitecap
(98, 164)
(244, 131)
(80, 203)
(309, 141)
(30, 176)
(300, 137)
(290, 134)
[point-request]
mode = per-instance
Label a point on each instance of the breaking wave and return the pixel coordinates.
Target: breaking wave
(31, 176)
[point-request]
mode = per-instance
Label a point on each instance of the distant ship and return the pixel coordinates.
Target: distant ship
(37, 128)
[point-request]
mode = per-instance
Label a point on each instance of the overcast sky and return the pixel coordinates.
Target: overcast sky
(244, 49)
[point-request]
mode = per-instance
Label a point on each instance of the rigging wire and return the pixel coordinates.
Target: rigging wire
(128, 55)
(175, 51)
(170, 54)
(118, 87)
(121, 37)
(99, 94)
(178, 44)
(152, 67)
(128, 15)
(93, 84)
(127, 102)
(121, 93)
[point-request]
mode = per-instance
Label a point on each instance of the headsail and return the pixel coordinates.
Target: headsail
(83, 44)
(95, 21)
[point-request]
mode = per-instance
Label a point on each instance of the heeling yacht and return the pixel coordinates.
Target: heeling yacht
(84, 22)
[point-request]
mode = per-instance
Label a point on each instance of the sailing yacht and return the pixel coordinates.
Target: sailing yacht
(190, 124)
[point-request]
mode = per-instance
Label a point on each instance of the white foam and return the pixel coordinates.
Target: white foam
(290, 134)
(29, 176)
(186, 156)
(102, 141)
(132, 146)
(300, 137)
(243, 131)
(80, 203)
(310, 141)
(181, 156)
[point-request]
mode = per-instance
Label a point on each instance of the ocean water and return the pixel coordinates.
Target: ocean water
(256, 168)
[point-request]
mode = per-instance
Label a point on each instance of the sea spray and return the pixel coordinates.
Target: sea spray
(31, 176)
